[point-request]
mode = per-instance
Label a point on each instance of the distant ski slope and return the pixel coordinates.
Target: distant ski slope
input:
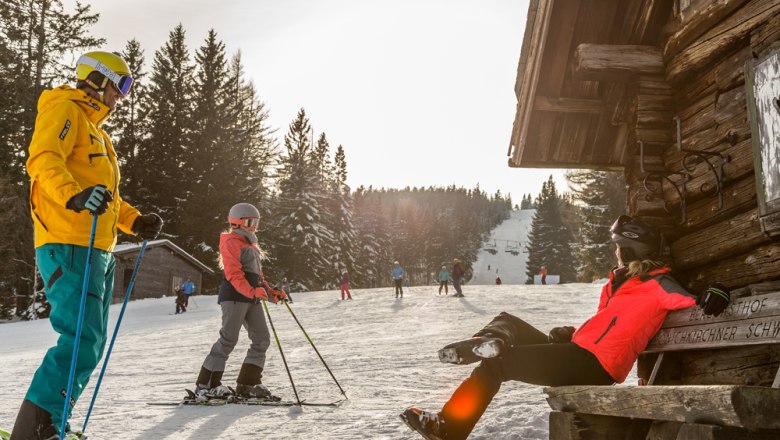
(512, 234)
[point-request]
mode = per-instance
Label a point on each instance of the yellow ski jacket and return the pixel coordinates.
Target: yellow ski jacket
(70, 152)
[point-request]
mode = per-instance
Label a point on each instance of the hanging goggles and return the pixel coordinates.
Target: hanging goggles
(247, 221)
(123, 83)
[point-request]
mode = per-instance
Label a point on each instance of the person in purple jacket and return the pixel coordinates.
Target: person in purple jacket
(345, 284)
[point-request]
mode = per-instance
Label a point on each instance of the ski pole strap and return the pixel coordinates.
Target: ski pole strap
(278, 344)
(116, 330)
(315, 349)
(79, 327)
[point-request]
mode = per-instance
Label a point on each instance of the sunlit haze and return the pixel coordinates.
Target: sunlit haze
(419, 93)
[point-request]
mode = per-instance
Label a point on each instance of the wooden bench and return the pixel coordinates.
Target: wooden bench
(708, 378)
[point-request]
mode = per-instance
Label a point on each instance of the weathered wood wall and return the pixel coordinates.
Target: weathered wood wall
(158, 267)
(705, 61)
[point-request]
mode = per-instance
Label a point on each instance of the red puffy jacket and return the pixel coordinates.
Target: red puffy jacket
(629, 317)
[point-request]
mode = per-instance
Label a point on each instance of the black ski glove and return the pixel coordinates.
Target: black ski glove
(714, 300)
(148, 226)
(560, 335)
(94, 199)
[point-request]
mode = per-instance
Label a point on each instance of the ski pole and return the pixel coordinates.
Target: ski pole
(315, 349)
(116, 330)
(79, 326)
(278, 344)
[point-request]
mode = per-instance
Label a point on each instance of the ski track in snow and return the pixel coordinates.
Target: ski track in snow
(382, 351)
(511, 268)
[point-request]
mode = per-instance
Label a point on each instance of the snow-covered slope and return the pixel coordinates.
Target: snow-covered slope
(511, 235)
(382, 351)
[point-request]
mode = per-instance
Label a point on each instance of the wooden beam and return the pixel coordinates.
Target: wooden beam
(697, 19)
(726, 405)
(568, 105)
(720, 39)
(598, 62)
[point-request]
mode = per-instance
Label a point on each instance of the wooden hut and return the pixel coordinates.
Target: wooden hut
(163, 268)
(684, 97)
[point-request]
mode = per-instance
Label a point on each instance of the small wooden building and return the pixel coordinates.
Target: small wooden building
(684, 97)
(163, 268)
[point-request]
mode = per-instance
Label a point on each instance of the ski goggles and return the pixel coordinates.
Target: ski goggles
(246, 221)
(123, 83)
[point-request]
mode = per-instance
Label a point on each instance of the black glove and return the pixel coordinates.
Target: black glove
(714, 300)
(561, 334)
(94, 199)
(148, 226)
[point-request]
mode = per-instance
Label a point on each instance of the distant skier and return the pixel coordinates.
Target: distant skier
(181, 301)
(498, 281)
(634, 303)
(543, 274)
(188, 287)
(285, 286)
(243, 287)
(398, 279)
(444, 278)
(345, 285)
(74, 175)
(458, 271)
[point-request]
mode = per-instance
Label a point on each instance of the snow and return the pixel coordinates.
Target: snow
(381, 350)
(511, 268)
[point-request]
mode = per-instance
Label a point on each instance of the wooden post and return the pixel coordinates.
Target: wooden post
(616, 62)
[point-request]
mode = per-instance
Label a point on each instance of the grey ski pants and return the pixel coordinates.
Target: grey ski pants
(234, 316)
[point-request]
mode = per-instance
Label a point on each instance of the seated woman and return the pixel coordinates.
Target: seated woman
(633, 305)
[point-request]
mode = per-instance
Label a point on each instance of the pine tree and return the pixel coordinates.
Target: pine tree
(207, 171)
(161, 185)
(297, 218)
(600, 198)
(550, 241)
(127, 125)
(344, 233)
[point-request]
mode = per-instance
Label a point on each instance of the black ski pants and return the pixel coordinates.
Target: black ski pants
(529, 358)
(443, 285)
(399, 287)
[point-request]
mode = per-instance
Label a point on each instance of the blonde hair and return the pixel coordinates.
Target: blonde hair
(643, 267)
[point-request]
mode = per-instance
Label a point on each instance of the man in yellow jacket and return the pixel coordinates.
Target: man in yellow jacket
(74, 175)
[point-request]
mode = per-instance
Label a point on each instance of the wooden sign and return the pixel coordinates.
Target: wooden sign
(749, 320)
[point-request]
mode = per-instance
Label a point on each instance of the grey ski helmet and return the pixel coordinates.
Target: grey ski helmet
(636, 239)
(240, 211)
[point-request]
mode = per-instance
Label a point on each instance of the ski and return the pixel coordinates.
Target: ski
(193, 400)
(223, 402)
(5, 435)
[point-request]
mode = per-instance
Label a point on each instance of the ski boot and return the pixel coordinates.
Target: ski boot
(428, 425)
(204, 393)
(259, 392)
(471, 350)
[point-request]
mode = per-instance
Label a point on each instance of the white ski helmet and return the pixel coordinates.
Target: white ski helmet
(241, 211)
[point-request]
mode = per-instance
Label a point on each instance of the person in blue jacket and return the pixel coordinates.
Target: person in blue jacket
(398, 279)
(188, 288)
(444, 278)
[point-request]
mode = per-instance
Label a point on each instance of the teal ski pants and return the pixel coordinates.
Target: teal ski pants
(62, 269)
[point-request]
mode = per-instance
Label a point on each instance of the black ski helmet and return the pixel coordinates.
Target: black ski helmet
(636, 239)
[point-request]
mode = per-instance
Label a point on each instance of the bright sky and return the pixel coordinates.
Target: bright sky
(419, 92)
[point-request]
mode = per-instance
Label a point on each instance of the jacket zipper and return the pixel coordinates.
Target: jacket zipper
(96, 155)
(609, 327)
